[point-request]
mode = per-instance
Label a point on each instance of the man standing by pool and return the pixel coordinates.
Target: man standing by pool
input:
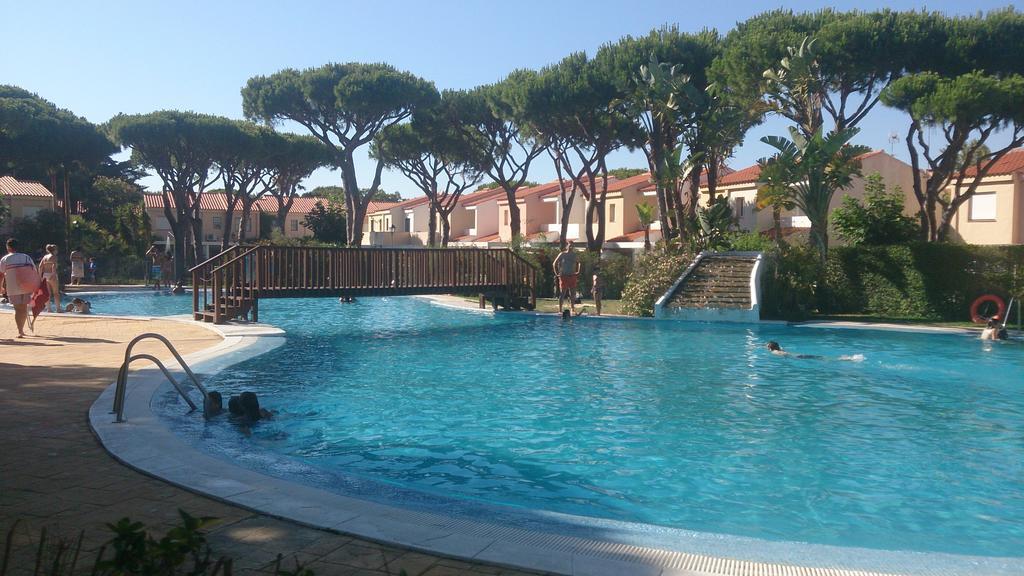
(567, 269)
(158, 268)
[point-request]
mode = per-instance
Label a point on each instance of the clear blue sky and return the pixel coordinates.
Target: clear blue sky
(101, 58)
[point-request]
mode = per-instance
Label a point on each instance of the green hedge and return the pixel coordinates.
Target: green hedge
(925, 281)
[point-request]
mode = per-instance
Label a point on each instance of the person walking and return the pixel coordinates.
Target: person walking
(90, 271)
(567, 269)
(19, 277)
(77, 267)
(51, 275)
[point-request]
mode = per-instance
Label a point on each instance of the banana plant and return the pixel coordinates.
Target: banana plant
(809, 171)
(711, 225)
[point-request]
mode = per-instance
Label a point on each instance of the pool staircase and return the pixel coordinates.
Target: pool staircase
(716, 287)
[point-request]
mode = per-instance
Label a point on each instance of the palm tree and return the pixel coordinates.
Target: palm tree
(808, 171)
(645, 213)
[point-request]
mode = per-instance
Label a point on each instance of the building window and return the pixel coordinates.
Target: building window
(737, 207)
(295, 225)
(162, 223)
(611, 212)
(408, 223)
(983, 206)
(506, 217)
(373, 225)
(30, 211)
(216, 223)
(248, 224)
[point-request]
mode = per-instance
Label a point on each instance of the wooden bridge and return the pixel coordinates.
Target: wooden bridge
(231, 284)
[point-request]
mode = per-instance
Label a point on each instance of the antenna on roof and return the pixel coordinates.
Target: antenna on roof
(894, 137)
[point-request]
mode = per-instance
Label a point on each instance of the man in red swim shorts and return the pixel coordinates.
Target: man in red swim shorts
(567, 269)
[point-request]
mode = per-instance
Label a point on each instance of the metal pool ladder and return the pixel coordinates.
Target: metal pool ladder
(122, 374)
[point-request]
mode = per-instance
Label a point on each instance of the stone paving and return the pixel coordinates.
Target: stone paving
(54, 474)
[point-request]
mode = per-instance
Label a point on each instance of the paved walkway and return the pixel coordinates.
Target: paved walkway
(53, 473)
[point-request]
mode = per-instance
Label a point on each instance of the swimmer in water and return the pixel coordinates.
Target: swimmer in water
(777, 350)
(993, 330)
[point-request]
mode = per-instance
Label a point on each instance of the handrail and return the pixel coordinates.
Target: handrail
(235, 259)
(122, 375)
(212, 258)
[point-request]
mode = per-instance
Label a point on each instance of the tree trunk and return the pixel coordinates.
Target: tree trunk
(666, 228)
(945, 223)
(197, 242)
(777, 224)
(929, 213)
(693, 197)
(432, 226)
(229, 217)
(513, 214)
(680, 211)
(647, 238)
(242, 223)
(819, 238)
(563, 222)
(446, 230)
(354, 208)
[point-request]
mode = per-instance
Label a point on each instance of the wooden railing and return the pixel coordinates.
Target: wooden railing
(232, 283)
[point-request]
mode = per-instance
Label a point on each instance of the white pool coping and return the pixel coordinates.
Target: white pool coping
(145, 443)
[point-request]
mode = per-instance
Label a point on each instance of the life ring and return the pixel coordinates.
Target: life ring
(1000, 308)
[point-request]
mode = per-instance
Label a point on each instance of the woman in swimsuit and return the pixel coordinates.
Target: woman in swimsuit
(48, 270)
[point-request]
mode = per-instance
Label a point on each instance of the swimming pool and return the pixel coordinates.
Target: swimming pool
(918, 447)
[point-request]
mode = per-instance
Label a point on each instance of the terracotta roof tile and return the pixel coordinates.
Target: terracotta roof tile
(9, 186)
(540, 190)
(871, 154)
(378, 206)
(1011, 163)
(480, 196)
(744, 176)
(617, 185)
(207, 201)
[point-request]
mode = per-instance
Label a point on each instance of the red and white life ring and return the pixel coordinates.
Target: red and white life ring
(1000, 307)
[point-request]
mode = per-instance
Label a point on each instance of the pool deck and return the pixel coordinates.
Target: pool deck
(56, 474)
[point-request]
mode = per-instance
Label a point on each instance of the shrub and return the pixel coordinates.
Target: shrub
(878, 221)
(928, 281)
(750, 242)
(182, 551)
(789, 281)
(653, 274)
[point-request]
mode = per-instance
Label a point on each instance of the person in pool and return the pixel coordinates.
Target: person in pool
(777, 350)
(993, 330)
(247, 407)
(79, 306)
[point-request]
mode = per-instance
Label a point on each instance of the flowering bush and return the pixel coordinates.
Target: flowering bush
(653, 274)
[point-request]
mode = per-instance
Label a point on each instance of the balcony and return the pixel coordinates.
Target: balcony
(572, 232)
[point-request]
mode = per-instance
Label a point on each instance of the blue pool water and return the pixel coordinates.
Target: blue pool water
(920, 446)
